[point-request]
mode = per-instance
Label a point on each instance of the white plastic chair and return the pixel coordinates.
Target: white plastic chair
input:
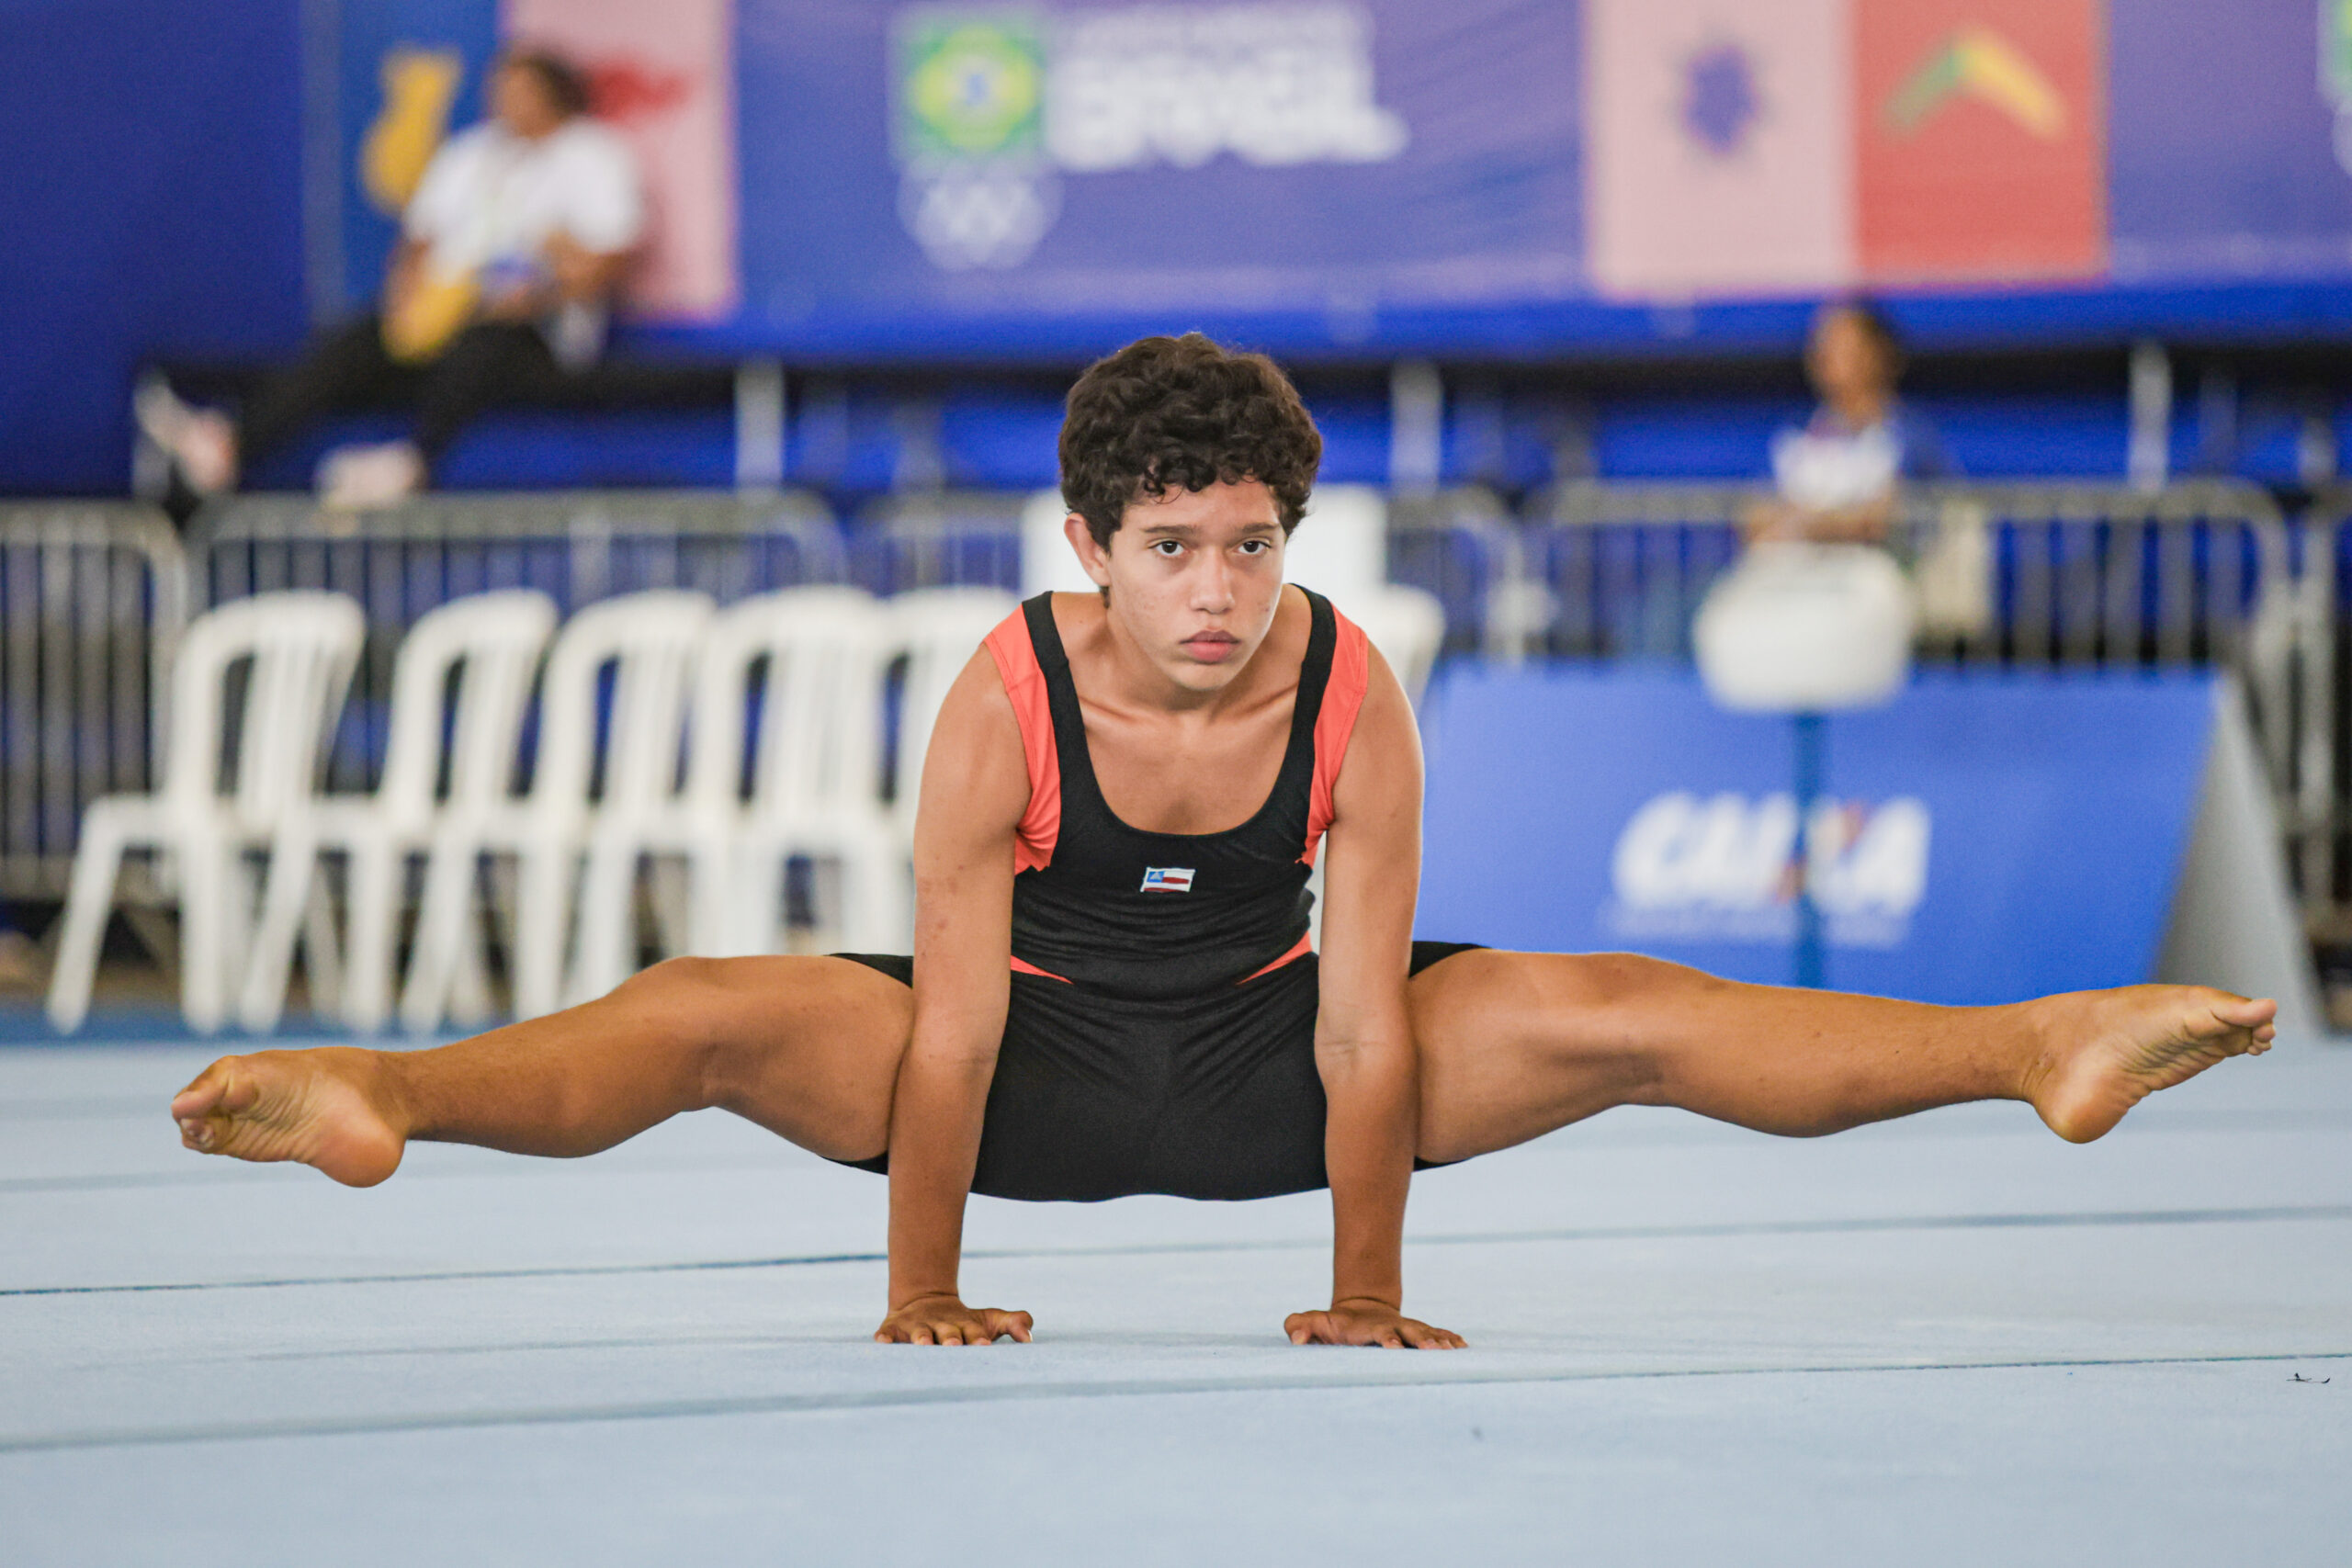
(937, 630)
(493, 641)
(302, 648)
(816, 774)
(1341, 552)
(650, 639)
(1407, 624)
(1049, 565)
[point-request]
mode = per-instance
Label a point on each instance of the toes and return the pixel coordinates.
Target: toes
(203, 1093)
(240, 1091)
(2243, 1012)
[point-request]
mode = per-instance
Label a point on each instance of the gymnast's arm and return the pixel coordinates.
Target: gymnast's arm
(1364, 1040)
(974, 788)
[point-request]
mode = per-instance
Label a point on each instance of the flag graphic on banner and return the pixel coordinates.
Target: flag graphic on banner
(1798, 146)
(1979, 63)
(1720, 145)
(1983, 152)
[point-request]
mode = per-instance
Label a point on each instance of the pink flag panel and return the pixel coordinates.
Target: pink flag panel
(1720, 158)
(662, 73)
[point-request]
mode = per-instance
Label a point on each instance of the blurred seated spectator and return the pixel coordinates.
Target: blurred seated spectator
(1839, 475)
(498, 288)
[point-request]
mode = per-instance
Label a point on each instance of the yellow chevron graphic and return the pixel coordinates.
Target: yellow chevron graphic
(1983, 65)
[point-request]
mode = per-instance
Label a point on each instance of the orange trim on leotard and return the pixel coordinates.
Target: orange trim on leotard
(1023, 967)
(1343, 699)
(1024, 682)
(1300, 949)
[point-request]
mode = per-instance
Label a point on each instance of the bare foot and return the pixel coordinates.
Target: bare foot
(311, 1106)
(202, 442)
(2109, 1049)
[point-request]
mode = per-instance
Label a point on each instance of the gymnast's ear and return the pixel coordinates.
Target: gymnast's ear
(1095, 558)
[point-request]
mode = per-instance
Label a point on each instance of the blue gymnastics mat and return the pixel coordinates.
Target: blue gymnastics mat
(1950, 1339)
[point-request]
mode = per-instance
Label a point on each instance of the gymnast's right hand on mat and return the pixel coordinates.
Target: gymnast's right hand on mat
(943, 1320)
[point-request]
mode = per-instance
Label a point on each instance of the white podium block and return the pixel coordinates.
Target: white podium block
(1806, 628)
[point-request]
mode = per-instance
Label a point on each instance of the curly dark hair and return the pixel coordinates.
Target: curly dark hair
(1165, 413)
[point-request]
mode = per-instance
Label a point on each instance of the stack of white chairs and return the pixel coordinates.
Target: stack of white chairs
(1341, 552)
(1048, 564)
(565, 857)
(814, 760)
(301, 649)
(492, 643)
(650, 640)
(937, 631)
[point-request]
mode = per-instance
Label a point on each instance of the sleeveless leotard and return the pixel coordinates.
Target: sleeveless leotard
(1160, 1031)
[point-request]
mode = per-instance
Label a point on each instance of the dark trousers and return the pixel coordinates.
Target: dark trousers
(486, 364)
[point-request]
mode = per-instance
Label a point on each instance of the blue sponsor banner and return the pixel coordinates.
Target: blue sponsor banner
(1985, 838)
(2230, 139)
(924, 178)
(408, 73)
(911, 167)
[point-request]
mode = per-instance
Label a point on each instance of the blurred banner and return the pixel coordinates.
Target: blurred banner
(1743, 147)
(858, 177)
(410, 72)
(665, 75)
(1987, 837)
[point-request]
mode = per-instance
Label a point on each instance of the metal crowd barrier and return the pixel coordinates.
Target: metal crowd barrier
(938, 538)
(2032, 575)
(1465, 546)
(2061, 574)
(93, 598)
(403, 560)
(1462, 544)
(2326, 568)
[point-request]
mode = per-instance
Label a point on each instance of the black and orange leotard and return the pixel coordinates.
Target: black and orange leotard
(1160, 1033)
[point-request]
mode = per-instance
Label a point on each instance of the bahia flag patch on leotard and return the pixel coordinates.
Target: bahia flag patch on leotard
(1167, 879)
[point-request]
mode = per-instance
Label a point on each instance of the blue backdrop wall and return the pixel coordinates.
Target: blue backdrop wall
(151, 200)
(1331, 178)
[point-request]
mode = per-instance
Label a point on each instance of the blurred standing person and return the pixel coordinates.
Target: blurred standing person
(500, 289)
(1839, 475)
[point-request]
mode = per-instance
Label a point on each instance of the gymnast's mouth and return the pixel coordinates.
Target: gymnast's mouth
(1211, 646)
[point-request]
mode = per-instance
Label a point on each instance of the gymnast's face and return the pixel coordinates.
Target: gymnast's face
(1194, 578)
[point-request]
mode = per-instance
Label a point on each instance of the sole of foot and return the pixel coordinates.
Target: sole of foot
(2109, 1049)
(308, 1105)
(202, 443)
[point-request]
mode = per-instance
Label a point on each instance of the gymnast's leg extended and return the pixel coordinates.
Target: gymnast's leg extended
(806, 1047)
(1514, 1045)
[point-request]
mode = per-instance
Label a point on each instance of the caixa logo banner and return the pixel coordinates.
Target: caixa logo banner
(1723, 868)
(1983, 837)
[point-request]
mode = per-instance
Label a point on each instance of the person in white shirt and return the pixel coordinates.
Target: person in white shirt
(1840, 475)
(500, 288)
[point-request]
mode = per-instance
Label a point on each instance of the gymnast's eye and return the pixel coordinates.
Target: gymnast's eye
(1170, 549)
(1256, 546)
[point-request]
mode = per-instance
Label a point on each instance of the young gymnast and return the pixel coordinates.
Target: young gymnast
(1112, 989)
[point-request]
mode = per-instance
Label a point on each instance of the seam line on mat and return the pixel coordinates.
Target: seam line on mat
(1727, 1231)
(1006, 1393)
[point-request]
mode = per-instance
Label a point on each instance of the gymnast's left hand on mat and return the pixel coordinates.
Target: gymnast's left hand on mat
(943, 1319)
(1365, 1320)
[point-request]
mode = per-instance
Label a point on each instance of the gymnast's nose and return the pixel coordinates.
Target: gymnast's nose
(1212, 584)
